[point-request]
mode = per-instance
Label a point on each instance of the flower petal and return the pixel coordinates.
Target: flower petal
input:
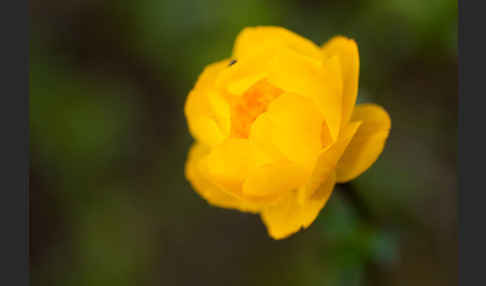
(240, 76)
(296, 128)
(260, 135)
(347, 52)
(288, 216)
(327, 161)
(330, 99)
(210, 192)
(207, 112)
(229, 163)
(367, 144)
(207, 78)
(266, 181)
(254, 40)
(205, 130)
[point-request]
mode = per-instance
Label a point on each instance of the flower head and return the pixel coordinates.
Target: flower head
(276, 127)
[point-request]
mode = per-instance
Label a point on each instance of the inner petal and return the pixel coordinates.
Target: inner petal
(247, 107)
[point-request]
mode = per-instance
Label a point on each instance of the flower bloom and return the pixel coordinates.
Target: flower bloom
(276, 127)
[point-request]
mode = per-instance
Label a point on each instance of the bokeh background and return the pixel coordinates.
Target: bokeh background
(109, 204)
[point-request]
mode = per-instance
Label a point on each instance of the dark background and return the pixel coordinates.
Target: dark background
(109, 204)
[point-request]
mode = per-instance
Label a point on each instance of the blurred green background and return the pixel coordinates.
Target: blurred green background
(109, 204)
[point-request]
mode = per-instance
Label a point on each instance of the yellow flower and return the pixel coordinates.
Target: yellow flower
(276, 127)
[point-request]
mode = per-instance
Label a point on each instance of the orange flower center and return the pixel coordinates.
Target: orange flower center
(247, 107)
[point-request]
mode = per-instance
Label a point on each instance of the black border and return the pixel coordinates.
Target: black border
(14, 124)
(472, 143)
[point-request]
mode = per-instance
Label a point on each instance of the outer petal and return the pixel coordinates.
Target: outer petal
(210, 192)
(296, 128)
(209, 75)
(288, 216)
(254, 40)
(207, 112)
(367, 144)
(347, 51)
(327, 161)
(206, 130)
(229, 164)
